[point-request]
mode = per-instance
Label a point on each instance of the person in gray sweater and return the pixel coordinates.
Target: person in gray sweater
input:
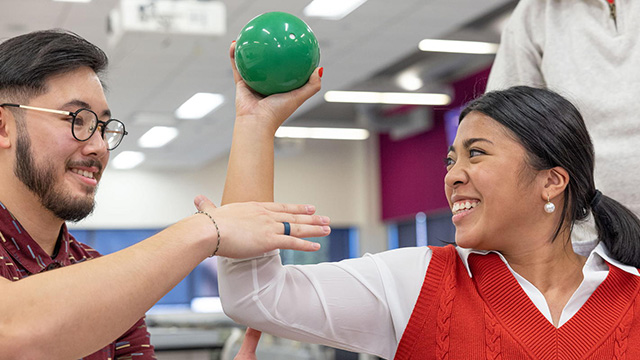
(588, 51)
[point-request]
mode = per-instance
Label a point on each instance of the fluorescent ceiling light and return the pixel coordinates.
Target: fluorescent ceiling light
(370, 97)
(331, 9)
(410, 81)
(199, 105)
(157, 136)
(127, 160)
(76, 1)
(455, 46)
(322, 133)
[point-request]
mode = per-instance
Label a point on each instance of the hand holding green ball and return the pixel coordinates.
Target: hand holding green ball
(276, 52)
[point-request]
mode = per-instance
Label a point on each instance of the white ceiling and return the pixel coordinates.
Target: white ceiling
(150, 75)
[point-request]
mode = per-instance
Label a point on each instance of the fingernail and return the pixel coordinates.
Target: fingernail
(199, 200)
(326, 229)
(321, 71)
(316, 246)
(233, 41)
(311, 209)
(325, 220)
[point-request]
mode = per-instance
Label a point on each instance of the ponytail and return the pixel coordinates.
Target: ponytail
(618, 228)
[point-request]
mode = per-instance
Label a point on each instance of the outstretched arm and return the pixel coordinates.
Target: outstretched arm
(74, 311)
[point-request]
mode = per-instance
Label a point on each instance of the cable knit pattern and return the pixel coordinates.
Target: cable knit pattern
(444, 315)
(492, 336)
(424, 312)
(489, 316)
(622, 336)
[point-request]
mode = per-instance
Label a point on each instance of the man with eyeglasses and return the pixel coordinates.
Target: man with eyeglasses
(56, 133)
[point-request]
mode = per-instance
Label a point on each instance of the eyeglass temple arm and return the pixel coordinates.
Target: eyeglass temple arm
(61, 112)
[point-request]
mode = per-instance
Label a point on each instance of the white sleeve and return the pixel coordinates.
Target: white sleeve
(519, 57)
(361, 305)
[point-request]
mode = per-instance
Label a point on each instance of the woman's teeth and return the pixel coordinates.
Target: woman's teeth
(463, 205)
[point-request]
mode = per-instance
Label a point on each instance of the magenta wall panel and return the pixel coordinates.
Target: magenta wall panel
(412, 170)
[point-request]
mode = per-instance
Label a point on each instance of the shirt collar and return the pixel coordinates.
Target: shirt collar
(597, 258)
(601, 254)
(26, 251)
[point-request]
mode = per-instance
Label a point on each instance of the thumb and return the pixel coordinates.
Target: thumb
(202, 203)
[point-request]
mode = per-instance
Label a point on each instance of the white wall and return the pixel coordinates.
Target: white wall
(339, 177)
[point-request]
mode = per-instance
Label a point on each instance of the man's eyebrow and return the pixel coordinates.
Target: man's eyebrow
(84, 105)
(467, 143)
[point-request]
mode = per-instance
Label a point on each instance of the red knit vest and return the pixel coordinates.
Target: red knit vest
(489, 316)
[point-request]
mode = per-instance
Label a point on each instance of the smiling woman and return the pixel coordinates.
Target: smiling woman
(554, 137)
(483, 155)
(520, 175)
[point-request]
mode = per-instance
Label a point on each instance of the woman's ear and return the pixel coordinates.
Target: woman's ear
(555, 182)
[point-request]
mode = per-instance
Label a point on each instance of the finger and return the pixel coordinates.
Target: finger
(289, 208)
(310, 88)
(250, 342)
(301, 219)
(304, 231)
(232, 56)
(298, 96)
(203, 203)
(293, 243)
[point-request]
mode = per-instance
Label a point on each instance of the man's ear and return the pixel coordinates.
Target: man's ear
(6, 118)
(556, 181)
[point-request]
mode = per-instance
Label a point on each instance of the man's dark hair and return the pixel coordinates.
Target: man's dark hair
(26, 61)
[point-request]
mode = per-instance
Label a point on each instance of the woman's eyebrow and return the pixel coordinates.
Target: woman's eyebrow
(467, 143)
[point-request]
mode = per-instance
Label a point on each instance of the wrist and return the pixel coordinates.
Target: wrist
(255, 126)
(200, 233)
(215, 224)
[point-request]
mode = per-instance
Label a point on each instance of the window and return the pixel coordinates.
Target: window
(421, 230)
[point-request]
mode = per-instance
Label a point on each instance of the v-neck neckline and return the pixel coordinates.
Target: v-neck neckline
(519, 315)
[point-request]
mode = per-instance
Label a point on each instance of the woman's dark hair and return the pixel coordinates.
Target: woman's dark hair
(26, 61)
(553, 133)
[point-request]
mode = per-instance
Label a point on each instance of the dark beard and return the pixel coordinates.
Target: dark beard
(40, 180)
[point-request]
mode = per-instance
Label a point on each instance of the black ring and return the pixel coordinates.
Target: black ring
(287, 228)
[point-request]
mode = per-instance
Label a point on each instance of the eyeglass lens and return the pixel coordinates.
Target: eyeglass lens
(85, 125)
(113, 133)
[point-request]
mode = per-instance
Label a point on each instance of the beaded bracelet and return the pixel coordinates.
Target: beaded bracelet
(217, 230)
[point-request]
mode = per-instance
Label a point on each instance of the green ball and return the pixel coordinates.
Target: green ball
(276, 52)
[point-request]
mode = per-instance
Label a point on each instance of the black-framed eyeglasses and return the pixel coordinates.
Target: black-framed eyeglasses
(84, 124)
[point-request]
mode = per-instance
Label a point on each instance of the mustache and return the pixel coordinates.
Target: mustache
(86, 163)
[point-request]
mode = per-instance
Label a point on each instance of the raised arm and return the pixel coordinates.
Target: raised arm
(342, 304)
(250, 170)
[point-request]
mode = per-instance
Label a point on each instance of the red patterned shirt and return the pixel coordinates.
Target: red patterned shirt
(21, 256)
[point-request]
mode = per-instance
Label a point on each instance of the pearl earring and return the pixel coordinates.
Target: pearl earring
(549, 207)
